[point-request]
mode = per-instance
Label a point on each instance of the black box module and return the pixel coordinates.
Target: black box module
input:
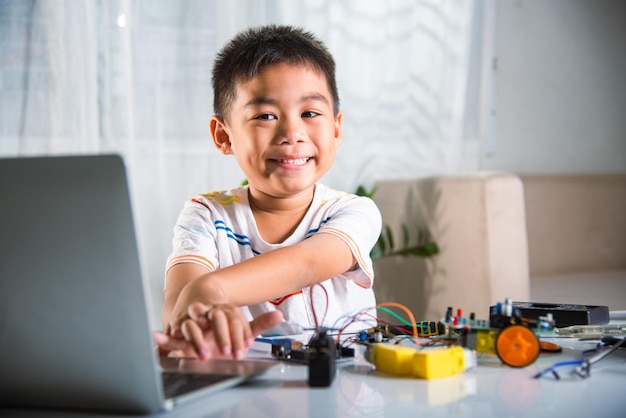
(565, 315)
(322, 359)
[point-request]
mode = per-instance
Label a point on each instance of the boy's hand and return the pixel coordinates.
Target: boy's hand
(222, 331)
(195, 300)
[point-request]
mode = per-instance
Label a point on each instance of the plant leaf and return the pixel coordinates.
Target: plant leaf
(360, 191)
(381, 244)
(390, 239)
(405, 236)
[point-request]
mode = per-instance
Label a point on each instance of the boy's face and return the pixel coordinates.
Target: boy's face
(282, 130)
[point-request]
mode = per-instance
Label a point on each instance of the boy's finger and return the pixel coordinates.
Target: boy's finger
(237, 337)
(221, 328)
(167, 344)
(198, 312)
(193, 334)
(265, 321)
(175, 332)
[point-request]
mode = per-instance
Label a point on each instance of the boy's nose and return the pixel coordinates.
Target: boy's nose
(291, 131)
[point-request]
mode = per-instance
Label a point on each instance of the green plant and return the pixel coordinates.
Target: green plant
(386, 244)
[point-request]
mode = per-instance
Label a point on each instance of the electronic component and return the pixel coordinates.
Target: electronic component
(507, 333)
(322, 359)
(591, 331)
(565, 314)
(289, 349)
(425, 328)
(384, 332)
(295, 351)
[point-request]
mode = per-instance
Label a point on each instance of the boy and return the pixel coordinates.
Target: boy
(255, 253)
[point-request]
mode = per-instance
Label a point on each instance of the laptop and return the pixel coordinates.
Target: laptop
(75, 330)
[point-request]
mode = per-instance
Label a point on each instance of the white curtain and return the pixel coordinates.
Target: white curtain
(133, 77)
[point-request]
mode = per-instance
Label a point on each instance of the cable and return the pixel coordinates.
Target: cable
(350, 318)
(317, 324)
(409, 314)
(583, 365)
(395, 315)
(353, 319)
(341, 317)
(584, 369)
(552, 369)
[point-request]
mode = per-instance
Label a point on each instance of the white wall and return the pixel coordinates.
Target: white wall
(561, 87)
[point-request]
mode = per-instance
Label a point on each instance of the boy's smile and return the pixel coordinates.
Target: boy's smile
(282, 129)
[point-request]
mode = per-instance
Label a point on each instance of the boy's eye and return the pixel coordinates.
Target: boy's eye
(309, 114)
(265, 116)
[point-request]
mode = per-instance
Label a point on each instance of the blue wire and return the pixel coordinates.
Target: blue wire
(584, 363)
(559, 364)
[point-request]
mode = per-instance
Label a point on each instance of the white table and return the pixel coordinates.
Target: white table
(490, 390)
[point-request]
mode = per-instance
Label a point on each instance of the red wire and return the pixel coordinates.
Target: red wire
(313, 306)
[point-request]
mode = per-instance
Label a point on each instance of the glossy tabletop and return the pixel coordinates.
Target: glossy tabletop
(358, 390)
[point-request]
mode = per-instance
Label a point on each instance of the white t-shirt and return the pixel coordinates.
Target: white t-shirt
(218, 229)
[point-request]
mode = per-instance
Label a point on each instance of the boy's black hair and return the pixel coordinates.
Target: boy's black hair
(247, 53)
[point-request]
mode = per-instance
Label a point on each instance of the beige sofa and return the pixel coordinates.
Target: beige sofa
(559, 239)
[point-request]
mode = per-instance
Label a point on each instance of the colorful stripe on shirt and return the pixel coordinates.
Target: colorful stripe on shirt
(221, 198)
(312, 232)
(240, 239)
(221, 225)
(279, 301)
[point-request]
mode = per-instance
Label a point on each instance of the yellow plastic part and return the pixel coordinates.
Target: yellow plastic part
(425, 364)
(393, 359)
(440, 362)
(517, 346)
(486, 341)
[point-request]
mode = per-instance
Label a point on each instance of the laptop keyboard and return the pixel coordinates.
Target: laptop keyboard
(176, 383)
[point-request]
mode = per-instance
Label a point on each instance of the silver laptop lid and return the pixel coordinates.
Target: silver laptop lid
(74, 322)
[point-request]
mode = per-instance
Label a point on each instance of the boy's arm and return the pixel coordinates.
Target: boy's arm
(176, 278)
(191, 292)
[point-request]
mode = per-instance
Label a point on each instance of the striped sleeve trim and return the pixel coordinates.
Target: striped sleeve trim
(190, 258)
(356, 251)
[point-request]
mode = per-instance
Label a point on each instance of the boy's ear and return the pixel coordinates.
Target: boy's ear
(338, 134)
(221, 137)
